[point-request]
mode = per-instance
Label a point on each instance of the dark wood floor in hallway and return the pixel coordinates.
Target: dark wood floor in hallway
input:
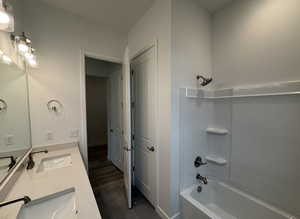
(108, 188)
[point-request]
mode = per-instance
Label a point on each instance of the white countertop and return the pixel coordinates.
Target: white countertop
(37, 185)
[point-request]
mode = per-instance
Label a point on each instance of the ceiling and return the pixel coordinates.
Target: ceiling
(119, 15)
(214, 5)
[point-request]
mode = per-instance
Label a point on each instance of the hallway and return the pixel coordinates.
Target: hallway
(108, 188)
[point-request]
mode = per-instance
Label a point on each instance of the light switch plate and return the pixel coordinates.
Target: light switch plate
(49, 136)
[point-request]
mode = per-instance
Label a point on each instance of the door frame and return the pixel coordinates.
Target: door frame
(152, 44)
(83, 126)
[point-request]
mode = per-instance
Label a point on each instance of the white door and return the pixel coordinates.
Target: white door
(126, 132)
(143, 70)
(116, 149)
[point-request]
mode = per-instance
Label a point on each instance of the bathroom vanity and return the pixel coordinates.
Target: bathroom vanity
(58, 187)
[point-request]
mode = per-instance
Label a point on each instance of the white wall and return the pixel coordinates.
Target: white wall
(58, 38)
(182, 29)
(156, 24)
(191, 55)
(256, 42)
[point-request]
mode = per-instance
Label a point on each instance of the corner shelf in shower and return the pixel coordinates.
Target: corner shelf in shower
(217, 131)
(216, 159)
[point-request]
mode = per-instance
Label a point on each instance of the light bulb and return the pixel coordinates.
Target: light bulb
(4, 17)
(29, 55)
(6, 59)
(32, 62)
(23, 48)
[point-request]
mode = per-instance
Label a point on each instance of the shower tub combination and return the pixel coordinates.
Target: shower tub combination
(220, 201)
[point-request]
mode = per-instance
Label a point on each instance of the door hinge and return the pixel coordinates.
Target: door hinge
(133, 137)
(133, 168)
(132, 104)
(132, 72)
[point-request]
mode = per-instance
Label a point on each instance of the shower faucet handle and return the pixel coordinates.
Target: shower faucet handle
(198, 162)
(202, 179)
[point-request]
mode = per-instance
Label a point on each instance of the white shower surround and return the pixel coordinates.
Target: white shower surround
(261, 146)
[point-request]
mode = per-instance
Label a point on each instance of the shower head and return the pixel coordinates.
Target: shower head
(205, 81)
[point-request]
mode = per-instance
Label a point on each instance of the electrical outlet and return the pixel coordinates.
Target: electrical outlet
(49, 136)
(9, 140)
(74, 133)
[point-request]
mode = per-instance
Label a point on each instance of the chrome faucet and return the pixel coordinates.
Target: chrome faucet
(25, 199)
(205, 81)
(12, 161)
(31, 163)
(202, 179)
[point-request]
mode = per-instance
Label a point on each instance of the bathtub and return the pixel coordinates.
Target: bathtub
(220, 201)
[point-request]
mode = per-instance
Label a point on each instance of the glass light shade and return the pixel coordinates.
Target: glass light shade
(23, 47)
(4, 17)
(28, 55)
(6, 59)
(32, 62)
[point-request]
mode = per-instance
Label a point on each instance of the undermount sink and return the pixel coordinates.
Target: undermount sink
(54, 162)
(60, 205)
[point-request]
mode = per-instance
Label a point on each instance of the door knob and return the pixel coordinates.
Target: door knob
(152, 149)
(126, 149)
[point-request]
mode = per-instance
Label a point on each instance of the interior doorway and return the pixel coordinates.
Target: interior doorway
(104, 98)
(103, 110)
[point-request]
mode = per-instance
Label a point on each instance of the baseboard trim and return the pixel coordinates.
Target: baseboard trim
(164, 215)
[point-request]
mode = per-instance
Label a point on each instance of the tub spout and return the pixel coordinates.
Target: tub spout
(201, 179)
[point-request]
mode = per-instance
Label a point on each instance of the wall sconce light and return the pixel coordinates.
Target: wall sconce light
(30, 57)
(25, 49)
(23, 43)
(6, 59)
(6, 18)
(32, 62)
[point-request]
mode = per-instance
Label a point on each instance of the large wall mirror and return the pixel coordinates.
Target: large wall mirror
(15, 137)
